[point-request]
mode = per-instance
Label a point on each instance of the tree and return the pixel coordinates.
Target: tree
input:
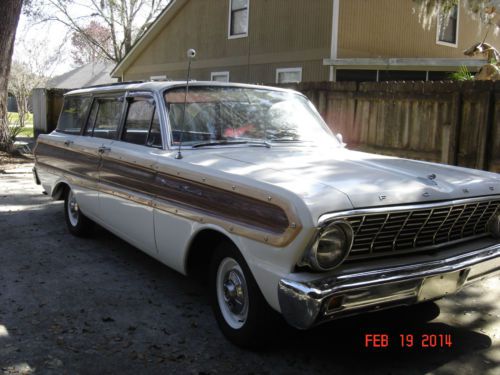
(9, 18)
(126, 20)
(85, 52)
(34, 71)
(487, 10)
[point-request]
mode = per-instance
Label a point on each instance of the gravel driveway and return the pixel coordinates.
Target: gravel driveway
(100, 306)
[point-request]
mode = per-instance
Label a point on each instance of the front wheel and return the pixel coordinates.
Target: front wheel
(241, 311)
(78, 224)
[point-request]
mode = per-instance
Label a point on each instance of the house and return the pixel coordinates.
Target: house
(86, 75)
(280, 41)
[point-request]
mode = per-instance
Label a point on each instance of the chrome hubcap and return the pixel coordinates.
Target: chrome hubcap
(73, 209)
(232, 293)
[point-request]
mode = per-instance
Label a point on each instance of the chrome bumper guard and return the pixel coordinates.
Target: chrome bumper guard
(305, 304)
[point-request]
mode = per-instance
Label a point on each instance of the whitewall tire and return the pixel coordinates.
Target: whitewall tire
(78, 224)
(241, 311)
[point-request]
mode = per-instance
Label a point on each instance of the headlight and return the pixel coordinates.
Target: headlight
(494, 225)
(331, 246)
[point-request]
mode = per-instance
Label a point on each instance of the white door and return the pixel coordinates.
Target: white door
(127, 174)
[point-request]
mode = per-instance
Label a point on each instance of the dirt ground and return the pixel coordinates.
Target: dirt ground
(8, 161)
(100, 306)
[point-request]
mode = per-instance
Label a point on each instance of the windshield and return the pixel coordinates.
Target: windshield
(226, 115)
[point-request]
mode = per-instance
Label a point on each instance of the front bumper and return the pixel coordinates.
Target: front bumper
(308, 303)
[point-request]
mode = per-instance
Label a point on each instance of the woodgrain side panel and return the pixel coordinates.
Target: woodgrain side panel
(68, 160)
(230, 205)
(238, 213)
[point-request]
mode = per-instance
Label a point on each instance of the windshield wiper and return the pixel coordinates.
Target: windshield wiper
(218, 143)
(287, 140)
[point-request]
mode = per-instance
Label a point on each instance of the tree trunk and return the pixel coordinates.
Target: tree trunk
(9, 18)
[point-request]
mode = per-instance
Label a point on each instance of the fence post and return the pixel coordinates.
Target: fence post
(446, 145)
(489, 131)
(455, 128)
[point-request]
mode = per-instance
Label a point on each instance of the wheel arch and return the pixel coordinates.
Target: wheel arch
(201, 249)
(59, 190)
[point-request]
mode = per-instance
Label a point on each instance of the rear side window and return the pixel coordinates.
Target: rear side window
(142, 126)
(104, 118)
(73, 114)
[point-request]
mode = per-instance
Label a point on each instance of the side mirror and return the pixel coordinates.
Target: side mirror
(340, 139)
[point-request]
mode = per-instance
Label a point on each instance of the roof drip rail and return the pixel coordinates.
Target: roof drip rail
(113, 84)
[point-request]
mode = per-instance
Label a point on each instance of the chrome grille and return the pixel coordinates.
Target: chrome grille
(385, 233)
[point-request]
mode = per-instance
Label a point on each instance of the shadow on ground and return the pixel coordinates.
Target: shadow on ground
(98, 305)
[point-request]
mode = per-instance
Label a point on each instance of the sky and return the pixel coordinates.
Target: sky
(41, 42)
(46, 41)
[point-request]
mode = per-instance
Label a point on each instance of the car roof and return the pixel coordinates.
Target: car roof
(160, 86)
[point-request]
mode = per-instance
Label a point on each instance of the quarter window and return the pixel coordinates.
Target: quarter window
(238, 18)
(142, 125)
(447, 27)
(154, 137)
(73, 114)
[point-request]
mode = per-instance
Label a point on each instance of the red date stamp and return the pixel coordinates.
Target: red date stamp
(408, 340)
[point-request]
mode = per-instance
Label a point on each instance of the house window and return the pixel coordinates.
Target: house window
(447, 27)
(288, 75)
(219, 76)
(238, 18)
(158, 78)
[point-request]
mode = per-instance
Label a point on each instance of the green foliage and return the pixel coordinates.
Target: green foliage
(463, 74)
(16, 129)
(485, 10)
(14, 118)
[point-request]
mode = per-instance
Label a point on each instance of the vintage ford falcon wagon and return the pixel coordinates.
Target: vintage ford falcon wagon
(248, 185)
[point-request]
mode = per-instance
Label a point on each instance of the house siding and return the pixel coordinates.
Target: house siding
(369, 29)
(301, 38)
(289, 34)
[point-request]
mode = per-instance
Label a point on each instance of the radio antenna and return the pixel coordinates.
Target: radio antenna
(191, 54)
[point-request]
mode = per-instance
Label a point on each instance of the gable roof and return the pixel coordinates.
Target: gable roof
(85, 75)
(156, 27)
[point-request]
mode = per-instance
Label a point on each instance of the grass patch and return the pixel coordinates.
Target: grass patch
(27, 131)
(14, 119)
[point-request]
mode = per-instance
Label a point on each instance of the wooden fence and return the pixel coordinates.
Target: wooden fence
(456, 123)
(448, 122)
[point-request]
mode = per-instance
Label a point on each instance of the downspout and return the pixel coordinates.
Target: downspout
(334, 37)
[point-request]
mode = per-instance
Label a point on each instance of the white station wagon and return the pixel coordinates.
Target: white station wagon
(247, 185)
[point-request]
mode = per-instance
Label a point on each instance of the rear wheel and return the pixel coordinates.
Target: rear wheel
(241, 311)
(78, 224)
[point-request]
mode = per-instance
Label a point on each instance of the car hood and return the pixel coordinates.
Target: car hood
(324, 178)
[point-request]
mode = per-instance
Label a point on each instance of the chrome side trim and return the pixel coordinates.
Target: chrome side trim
(363, 211)
(303, 304)
(185, 211)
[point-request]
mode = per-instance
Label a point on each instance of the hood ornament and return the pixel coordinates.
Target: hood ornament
(432, 177)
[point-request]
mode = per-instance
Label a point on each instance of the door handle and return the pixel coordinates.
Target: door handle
(103, 149)
(68, 142)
